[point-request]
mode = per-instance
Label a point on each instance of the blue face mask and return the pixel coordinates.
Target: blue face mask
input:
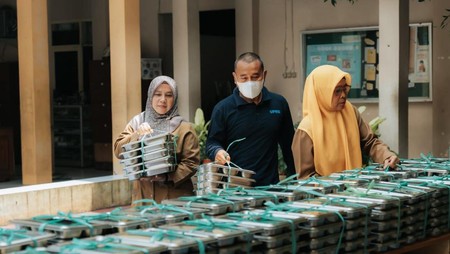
(250, 89)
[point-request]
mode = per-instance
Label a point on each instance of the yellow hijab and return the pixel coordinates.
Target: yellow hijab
(335, 134)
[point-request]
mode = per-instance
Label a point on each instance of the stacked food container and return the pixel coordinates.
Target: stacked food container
(368, 210)
(151, 155)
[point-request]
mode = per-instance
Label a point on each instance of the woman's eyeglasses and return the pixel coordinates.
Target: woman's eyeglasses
(338, 90)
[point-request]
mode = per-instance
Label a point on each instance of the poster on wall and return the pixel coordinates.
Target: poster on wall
(345, 55)
(418, 58)
(356, 51)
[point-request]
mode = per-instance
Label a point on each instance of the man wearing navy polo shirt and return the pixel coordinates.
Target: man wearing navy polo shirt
(247, 126)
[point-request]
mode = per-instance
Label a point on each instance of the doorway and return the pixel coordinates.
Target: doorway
(217, 54)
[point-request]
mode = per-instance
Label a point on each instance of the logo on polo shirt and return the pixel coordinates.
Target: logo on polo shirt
(275, 111)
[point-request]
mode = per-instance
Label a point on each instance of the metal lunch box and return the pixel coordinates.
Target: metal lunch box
(176, 242)
(12, 240)
(214, 205)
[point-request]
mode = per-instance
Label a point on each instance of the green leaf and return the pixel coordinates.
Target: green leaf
(199, 118)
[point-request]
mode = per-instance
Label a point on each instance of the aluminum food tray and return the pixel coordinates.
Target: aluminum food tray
(224, 184)
(130, 162)
(352, 235)
(438, 221)
(130, 154)
(383, 226)
(157, 146)
(175, 241)
(383, 237)
(12, 240)
(94, 246)
(159, 169)
(350, 181)
(29, 250)
(155, 139)
(413, 209)
(275, 241)
(403, 198)
(318, 243)
(362, 175)
(411, 229)
(214, 206)
(131, 146)
(281, 222)
(326, 229)
(346, 211)
(203, 178)
(442, 201)
(122, 223)
(384, 215)
(325, 250)
(430, 191)
(161, 216)
(154, 155)
(285, 249)
(379, 202)
(224, 235)
(356, 223)
(438, 211)
(439, 230)
(159, 161)
(353, 245)
(242, 247)
(322, 186)
(137, 171)
(225, 169)
(250, 201)
(62, 228)
(289, 193)
(383, 247)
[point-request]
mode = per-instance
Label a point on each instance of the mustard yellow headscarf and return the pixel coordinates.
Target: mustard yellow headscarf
(335, 134)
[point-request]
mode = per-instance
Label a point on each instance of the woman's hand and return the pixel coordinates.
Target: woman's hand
(144, 128)
(222, 157)
(391, 162)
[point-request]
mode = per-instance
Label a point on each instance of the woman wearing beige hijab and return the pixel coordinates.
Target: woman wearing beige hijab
(332, 135)
(161, 113)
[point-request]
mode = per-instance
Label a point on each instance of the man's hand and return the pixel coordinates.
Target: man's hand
(222, 157)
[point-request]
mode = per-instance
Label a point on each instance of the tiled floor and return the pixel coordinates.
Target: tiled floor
(60, 174)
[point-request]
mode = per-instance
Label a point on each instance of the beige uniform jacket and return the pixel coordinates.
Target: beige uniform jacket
(303, 148)
(188, 159)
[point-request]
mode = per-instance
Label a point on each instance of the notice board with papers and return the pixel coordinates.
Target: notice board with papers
(356, 51)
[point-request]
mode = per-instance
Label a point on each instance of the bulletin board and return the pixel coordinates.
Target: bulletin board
(356, 51)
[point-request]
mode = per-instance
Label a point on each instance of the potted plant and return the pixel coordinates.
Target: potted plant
(201, 128)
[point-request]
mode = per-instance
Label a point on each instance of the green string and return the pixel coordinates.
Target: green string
(12, 234)
(159, 234)
(105, 244)
(208, 224)
(206, 199)
(240, 191)
(289, 207)
(161, 207)
(53, 220)
(266, 216)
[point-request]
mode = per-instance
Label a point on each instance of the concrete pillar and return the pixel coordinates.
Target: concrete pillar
(393, 73)
(186, 55)
(34, 91)
(125, 65)
(247, 26)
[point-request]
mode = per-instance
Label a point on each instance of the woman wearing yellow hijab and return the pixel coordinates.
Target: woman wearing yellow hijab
(332, 133)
